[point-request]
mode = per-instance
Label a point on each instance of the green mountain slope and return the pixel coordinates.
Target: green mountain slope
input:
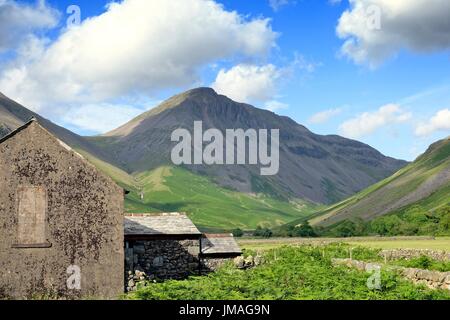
(211, 207)
(424, 183)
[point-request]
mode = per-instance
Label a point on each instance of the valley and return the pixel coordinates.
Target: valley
(326, 180)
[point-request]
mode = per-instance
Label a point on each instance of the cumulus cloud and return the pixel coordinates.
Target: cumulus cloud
(439, 122)
(19, 21)
(248, 83)
(375, 30)
(368, 122)
(135, 47)
(324, 116)
(260, 84)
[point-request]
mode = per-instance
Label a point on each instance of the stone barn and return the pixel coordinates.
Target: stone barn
(61, 221)
(217, 249)
(165, 245)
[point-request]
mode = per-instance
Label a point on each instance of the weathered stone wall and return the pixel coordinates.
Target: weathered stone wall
(83, 221)
(163, 259)
(396, 254)
(212, 264)
(432, 279)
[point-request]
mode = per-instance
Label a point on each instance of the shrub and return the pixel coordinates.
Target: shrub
(237, 232)
(305, 230)
(262, 232)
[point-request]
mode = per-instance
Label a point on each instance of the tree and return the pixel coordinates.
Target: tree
(346, 229)
(237, 232)
(305, 230)
(262, 232)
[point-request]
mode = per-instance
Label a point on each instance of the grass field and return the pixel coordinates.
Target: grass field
(439, 243)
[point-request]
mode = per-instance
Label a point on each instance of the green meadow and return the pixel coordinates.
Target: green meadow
(433, 243)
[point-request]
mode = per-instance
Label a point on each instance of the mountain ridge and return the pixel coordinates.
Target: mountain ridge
(221, 206)
(321, 169)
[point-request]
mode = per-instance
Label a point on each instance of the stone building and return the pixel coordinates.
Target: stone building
(216, 249)
(166, 245)
(61, 221)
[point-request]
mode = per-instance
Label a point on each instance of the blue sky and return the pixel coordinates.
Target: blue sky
(375, 72)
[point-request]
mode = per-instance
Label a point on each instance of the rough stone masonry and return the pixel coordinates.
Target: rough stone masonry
(59, 218)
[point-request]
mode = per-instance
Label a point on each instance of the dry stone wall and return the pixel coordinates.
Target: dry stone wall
(396, 254)
(432, 279)
(163, 259)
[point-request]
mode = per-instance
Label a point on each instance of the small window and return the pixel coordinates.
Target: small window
(32, 207)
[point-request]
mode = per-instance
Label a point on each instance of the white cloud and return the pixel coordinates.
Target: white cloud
(135, 47)
(324, 116)
(278, 4)
(301, 63)
(274, 105)
(248, 83)
(18, 21)
(419, 25)
(439, 122)
(368, 122)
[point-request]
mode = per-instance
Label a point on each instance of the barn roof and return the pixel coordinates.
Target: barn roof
(219, 244)
(14, 132)
(159, 224)
(35, 121)
(27, 124)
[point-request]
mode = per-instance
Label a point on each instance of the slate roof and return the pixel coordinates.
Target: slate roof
(219, 244)
(159, 224)
(14, 132)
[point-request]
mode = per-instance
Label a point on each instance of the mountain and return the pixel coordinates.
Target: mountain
(170, 189)
(423, 184)
(315, 168)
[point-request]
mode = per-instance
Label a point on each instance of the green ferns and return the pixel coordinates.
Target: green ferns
(291, 273)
